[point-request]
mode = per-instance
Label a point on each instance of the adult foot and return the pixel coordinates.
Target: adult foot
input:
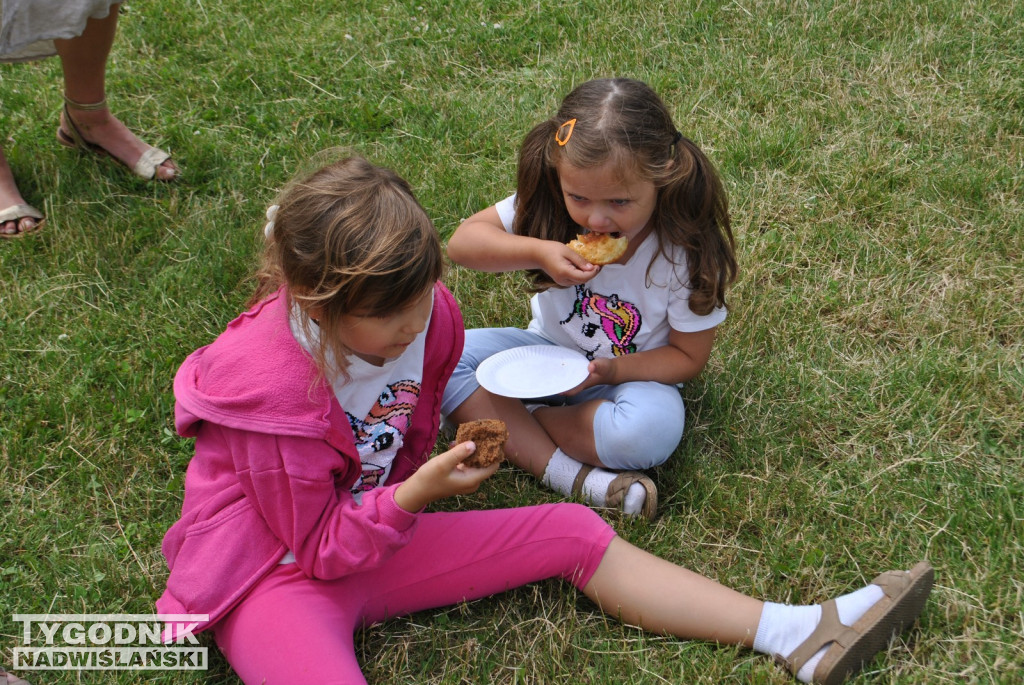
(16, 216)
(94, 128)
(10, 679)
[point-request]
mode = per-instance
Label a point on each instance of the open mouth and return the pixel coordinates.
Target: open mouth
(613, 234)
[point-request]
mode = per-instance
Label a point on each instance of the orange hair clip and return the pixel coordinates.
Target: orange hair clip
(564, 132)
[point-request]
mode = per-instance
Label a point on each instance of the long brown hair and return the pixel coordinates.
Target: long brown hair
(348, 238)
(623, 122)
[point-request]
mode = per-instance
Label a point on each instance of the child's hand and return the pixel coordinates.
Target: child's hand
(440, 477)
(564, 265)
(602, 372)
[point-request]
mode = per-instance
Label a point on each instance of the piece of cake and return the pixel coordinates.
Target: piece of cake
(599, 248)
(489, 435)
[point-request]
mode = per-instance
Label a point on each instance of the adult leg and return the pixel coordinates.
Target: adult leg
(16, 216)
(84, 61)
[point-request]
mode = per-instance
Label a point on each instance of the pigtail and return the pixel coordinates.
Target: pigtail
(540, 211)
(694, 214)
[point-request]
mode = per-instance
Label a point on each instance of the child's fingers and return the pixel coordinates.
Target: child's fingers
(470, 478)
(458, 452)
(578, 261)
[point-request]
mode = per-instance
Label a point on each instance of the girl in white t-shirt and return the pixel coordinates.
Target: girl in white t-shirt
(610, 161)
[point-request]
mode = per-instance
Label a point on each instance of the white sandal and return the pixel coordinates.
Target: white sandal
(145, 167)
(16, 213)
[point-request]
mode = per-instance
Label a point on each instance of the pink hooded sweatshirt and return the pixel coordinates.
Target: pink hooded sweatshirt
(275, 460)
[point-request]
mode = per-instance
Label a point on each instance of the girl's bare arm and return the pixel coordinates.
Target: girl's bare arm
(482, 243)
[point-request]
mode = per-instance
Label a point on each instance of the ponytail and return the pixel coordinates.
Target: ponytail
(540, 210)
(694, 214)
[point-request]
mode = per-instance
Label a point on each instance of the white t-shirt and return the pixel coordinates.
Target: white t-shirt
(624, 308)
(379, 402)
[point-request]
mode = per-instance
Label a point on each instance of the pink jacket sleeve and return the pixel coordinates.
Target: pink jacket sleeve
(299, 486)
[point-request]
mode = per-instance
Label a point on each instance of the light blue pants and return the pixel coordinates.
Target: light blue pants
(639, 426)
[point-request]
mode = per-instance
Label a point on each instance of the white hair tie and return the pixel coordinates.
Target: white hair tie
(268, 230)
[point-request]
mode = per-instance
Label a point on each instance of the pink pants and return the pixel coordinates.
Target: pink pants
(293, 629)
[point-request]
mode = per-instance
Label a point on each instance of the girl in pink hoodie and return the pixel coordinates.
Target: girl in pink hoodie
(314, 415)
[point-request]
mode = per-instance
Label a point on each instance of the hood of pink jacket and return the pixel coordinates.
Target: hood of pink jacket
(256, 377)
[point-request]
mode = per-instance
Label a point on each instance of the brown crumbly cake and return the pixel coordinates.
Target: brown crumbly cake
(598, 248)
(489, 435)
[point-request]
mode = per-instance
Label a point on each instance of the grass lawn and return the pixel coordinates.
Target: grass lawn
(863, 406)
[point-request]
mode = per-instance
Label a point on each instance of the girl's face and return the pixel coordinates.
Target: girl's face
(604, 200)
(377, 338)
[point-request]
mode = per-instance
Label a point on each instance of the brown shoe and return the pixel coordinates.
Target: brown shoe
(853, 646)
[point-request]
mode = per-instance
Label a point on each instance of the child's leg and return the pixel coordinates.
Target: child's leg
(480, 344)
(647, 591)
(529, 447)
(292, 629)
(461, 556)
(634, 425)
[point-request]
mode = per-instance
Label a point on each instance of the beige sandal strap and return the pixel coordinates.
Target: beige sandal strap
(581, 475)
(85, 106)
(22, 211)
(150, 160)
(618, 488)
(621, 484)
(830, 629)
(892, 582)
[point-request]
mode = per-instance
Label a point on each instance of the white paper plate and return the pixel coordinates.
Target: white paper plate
(532, 371)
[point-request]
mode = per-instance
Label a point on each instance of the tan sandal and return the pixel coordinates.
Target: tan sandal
(16, 213)
(852, 646)
(72, 137)
(617, 489)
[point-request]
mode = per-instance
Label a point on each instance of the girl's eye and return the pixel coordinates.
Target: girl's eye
(577, 198)
(620, 203)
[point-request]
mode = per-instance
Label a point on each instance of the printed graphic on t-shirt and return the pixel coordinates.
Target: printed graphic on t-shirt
(602, 325)
(381, 434)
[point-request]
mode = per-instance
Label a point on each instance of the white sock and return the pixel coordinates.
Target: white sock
(784, 627)
(560, 474)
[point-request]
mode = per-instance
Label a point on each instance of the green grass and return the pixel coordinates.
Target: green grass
(863, 406)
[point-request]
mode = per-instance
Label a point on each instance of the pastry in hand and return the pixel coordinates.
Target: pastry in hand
(489, 435)
(599, 248)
